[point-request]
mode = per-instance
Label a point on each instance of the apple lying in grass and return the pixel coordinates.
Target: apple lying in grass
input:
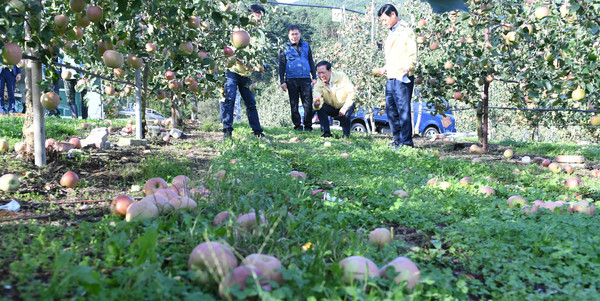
(466, 181)
(293, 139)
(380, 237)
(9, 182)
(267, 264)
(400, 193)
(583, 206)
(69, 179)
(433, 182)
(295, 174)
(476, 161)
(166, 193)
(407, 271)
(239, 277)
(572, 183)
(233, 161)
(76, 142)
(444, 185)
(345, 155)
(4, 146)
(181, 179)
(140, 211)
(514, 200)
(220, 175)
(161, 202)
(554, 167)
(222, 217)
(248, 221)
(211, 261)
(473, 148)
(153, 185)
(488, 191)
(568, 169)
(546, 162)
(180, 189)
(508, 153)
(358, 268)
(183, 203)
(120, 204)
(327, 143)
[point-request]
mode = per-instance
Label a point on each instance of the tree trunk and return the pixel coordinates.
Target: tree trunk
(479, 121)
(36, 114)
(486, 94)
(28, 122)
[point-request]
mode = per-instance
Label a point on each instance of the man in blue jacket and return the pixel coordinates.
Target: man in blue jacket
(296, 68)
(9, 76)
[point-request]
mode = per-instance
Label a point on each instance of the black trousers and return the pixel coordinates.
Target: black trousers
(71, 100)
(301, 88)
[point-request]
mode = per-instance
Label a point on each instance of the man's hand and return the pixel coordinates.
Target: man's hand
(381, 72)
(343, 111)
(18, 78)
(284, 87)
(314, 82)
(317, 102)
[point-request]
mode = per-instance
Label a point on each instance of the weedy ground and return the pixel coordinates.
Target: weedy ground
(64, 243)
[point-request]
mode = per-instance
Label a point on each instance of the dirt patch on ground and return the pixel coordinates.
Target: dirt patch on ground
(102, 181)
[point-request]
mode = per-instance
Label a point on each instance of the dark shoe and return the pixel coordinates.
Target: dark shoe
(345, 136)
(262, 136)
(393, 144)
(299, 129)
(307, 129)
(227, 135)
(326, 135)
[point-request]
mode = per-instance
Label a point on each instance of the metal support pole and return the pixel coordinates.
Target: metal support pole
(138, 104)
(39, 126)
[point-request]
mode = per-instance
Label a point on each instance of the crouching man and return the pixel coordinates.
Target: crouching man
(333, 96)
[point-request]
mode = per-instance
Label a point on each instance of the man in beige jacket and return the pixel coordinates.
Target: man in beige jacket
(333, 96)
(400, 64)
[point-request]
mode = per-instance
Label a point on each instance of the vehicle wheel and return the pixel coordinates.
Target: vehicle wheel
(430, 131)
(357, 127)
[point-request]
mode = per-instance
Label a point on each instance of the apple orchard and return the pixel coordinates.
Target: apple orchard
(182, 48)
(303, 218)
(520, 54)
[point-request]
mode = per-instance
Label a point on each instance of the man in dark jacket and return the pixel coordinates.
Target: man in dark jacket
(296, 68)
(9, 76)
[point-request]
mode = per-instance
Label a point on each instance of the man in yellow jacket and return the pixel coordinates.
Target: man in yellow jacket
(333, 96)
(400, 64)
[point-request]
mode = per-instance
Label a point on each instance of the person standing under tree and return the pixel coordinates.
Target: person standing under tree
(9, 76)
(70, 90)
(238, 78)
(400, 64)
(296, 68)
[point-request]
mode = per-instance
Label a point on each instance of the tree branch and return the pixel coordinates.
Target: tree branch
(25, 56)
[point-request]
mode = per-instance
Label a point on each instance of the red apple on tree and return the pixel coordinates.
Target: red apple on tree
(227, 51)
(112, 59)
(169, 75)
(240, 39)
(50, 101)
(11, 54)
(94, 13)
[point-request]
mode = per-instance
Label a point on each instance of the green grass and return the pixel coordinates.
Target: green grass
(469, 246)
